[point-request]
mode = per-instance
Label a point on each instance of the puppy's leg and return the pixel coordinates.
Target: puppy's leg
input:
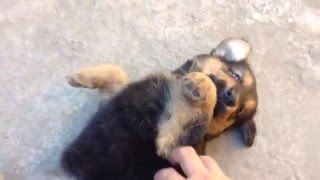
(107, 78)
(197, 78)
(187, 113)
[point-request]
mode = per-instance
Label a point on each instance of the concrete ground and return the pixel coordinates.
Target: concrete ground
(42, 41)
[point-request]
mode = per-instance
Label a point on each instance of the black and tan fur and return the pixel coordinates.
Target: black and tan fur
(226, 66)
(237, 102)
(131, 136)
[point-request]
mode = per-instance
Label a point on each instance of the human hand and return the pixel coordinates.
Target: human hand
(195, 167)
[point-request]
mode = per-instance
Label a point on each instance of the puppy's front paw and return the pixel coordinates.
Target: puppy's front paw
(164, 146)
(198, 87)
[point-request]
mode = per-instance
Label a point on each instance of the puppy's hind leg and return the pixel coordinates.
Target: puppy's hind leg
(109, 79)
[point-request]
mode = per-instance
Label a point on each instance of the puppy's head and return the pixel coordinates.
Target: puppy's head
(237, 102)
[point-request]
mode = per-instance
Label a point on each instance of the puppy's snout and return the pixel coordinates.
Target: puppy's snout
(229, 97)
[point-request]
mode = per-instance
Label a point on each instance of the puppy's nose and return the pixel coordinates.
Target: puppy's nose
(229, 97)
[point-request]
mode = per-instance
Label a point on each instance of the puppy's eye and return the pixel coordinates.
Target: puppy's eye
(235, 76)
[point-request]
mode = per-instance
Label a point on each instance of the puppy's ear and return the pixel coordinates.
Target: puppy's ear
(249, 132)
(185, 68)
(232, 49)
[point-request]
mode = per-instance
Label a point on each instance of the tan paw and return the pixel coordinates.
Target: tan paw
(164, 145)
(198, 87)
(106, 77)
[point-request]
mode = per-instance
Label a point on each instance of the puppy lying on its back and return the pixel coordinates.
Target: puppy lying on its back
(131, 136)
(228, 67)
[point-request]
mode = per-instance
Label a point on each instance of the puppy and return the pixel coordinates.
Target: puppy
(228, 68)
(132, 134)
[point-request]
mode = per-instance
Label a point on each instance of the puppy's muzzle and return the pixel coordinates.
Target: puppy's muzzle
(229, 97)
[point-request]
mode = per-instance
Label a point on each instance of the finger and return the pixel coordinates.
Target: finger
(213, 167)
(188, 159)
(168, 174)
(209, 163)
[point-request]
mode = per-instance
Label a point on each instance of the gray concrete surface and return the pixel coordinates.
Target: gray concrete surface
(41, 41)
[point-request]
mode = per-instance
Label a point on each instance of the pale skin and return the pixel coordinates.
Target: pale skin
(194, 166)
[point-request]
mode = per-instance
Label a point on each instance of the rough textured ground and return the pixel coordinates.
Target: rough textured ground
(41, 41)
